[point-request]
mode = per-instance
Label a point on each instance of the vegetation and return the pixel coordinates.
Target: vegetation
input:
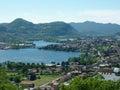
(5, 84)
(22, 30)
(94, 50)
(60, 47)
(93, 28)
(17, 71)
(91, 84)
(84, 59)
(43, 79)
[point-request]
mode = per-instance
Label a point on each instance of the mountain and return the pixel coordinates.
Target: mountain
(57, 29)
(20, 29)
(93, 28)
(20, 24)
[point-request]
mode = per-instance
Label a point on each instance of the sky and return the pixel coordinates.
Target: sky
(42, 11)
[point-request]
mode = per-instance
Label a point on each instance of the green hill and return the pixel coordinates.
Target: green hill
(21, 29)
(93, 28)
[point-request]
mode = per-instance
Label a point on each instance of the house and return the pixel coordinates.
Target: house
(52, 86)
(33, 70)
(47, 72)
(73, 63)
(106, 70)
(46, 87)
(77, 67)
(116, 71)
(75, 73)
(83, 75)
(65, 77)
(27, 85)
(55, 85)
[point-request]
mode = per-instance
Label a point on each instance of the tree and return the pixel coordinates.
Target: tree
(17, 79)
(43, 66)
(63, 87)
(90, 83)
(4, 82)
(32, 76)
(99, 77)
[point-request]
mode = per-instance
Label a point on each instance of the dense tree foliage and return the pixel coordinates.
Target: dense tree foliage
(21, 29)
(5, 84)
(23, 67)
(32, 76)
(84, 59)
(91, 84)
(60, 47)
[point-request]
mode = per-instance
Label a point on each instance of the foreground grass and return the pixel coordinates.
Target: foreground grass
(43, 79)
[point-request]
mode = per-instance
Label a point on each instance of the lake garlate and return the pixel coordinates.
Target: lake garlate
(34, 55)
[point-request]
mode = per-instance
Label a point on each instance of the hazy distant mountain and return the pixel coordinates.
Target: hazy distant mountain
(93, 28)
(21, 29)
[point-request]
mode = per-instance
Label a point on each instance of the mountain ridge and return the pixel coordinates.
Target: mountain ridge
(96, 28)
(21, 29)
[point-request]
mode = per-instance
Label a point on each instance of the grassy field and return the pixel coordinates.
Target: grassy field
(11, 73)
(43, 79)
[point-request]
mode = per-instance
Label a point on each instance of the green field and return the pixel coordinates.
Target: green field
(43, 79)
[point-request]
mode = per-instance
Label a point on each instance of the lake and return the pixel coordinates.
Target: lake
(34, 55)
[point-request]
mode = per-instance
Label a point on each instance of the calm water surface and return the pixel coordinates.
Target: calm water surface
(35, 55)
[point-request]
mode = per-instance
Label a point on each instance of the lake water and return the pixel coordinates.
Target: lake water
(31, 55)
(43, 43)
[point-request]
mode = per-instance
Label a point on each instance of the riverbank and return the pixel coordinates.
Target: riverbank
(62, 47)
(6, 46)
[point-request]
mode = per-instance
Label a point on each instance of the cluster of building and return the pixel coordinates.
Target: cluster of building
(108, 68)
(4, 45)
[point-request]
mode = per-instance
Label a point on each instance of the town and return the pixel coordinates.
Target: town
(100, 57)
(60, 45)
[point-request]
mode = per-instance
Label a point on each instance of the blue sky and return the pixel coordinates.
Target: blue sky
(41, 11)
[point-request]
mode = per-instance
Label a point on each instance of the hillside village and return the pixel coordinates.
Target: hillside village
(60, 45)
(100, 56)
(105, 51)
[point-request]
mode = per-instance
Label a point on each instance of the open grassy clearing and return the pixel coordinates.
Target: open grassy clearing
(43, 79)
